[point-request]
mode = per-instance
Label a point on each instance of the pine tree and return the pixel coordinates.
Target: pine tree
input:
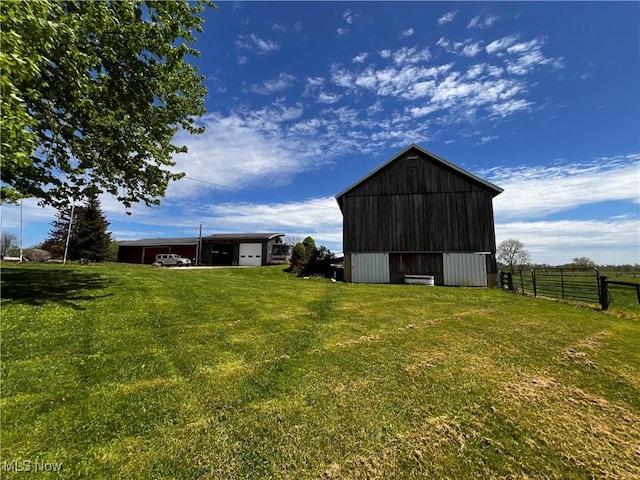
(55, 242)
(90, 239)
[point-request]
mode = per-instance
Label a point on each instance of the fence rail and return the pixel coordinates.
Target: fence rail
(576, 284)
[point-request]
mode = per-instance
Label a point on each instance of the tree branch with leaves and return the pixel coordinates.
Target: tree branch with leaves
(93, 94)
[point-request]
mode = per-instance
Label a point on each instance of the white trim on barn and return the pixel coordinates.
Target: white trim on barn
(465, 269)
(370, 268)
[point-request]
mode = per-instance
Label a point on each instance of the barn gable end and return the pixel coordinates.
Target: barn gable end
(416, 207)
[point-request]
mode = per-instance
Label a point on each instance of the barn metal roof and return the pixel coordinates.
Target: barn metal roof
(160, 242)
(497, 190)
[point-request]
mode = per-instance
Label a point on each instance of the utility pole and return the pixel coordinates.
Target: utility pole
(199, 257)
(66, 245)
(21, 230)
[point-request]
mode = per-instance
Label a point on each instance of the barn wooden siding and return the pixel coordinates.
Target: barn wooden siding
(418, 206)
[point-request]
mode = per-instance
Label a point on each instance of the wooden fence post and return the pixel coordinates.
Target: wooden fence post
(604, 292)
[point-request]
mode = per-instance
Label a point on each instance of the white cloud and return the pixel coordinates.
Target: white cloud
(534, 192)
(318, 217)
(32, 214)
(360, 58)
(524, 46)
(341, 76)
(418, 112)
(242, 60)
(475, 70)
(441, 87)
(527, 62)
(509, 107)
(342, 31)
(495, 71)
(447, 17)
(407, 33)
(375, 108)
(268, 87)
(410, 55)
(500, 44)
(466, 48)
(312, 84)
(348, 16)
(328, 98)
(238, 151)
(483, 21)
(472, 49)
(524, 57)
(278, 28)
(443, 42)
(608, 242)
(487, 139)
(257, 44)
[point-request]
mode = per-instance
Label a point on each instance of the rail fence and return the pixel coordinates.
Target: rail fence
(576, 284)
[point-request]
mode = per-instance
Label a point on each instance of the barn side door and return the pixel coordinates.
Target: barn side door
(465, 269)
(370, 268)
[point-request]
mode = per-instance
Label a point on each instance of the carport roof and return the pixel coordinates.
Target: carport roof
(240, 237)
(160, 242)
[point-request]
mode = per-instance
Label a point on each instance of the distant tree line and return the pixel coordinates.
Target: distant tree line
(512, 255)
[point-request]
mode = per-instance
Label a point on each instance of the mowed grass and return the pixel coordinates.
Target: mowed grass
(125, 371)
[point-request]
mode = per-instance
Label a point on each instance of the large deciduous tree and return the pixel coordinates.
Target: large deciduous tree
(511, 252)
(93, 93)
(8, 242)
(583, 262)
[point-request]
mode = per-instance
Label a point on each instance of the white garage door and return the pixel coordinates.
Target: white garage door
(250, 254)
(465, 269)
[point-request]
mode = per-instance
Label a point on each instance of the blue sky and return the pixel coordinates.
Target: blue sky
(305, 98)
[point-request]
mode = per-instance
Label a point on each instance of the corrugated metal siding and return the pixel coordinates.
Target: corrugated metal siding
(465, 270)
(370, 268)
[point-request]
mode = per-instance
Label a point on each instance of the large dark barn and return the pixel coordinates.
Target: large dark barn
(419, 214)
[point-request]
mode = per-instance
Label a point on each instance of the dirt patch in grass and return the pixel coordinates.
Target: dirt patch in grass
(358, 341)
(425, 361)
(587, 430)
(425, 448)
(386, 335)
(577, 354)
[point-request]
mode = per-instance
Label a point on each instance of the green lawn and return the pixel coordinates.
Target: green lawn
(124, 371)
